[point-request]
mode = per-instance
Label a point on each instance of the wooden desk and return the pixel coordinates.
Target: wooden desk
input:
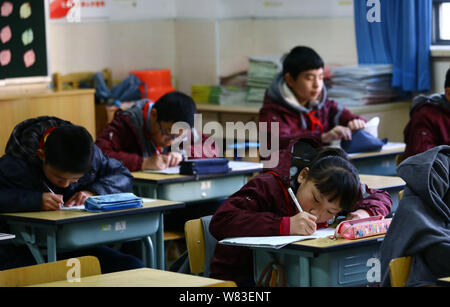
(76, 106)
(141, 278)
(65, 230)
(380, 162)
(323, 262)
(191, 188)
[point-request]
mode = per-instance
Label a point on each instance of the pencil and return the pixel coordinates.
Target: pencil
(295, 200)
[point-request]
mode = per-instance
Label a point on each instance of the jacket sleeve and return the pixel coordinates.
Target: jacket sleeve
(111, 176)
(248, 212)
(419, 135)
(112, 142)
(18, 193)
(376, 202)
(340, 115)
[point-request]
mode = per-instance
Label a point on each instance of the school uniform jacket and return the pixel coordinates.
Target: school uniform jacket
(125, 139)
(295, 120)
(429, 124)
(22, 179)
(262, 208)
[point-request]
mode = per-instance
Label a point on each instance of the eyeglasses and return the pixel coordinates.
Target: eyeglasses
(167, 134)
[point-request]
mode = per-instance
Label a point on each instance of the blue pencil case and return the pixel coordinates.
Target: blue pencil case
(110, 202)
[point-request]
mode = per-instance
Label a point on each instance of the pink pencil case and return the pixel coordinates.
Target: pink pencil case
(362, 228)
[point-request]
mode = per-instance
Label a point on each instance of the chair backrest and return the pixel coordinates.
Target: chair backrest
(399, 269)
(200, 244)
(74, 79)
(48, 272)
(399, 159)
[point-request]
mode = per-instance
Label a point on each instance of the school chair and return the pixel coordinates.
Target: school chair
(399, 269)
(200, 244)
(48, 272)
(200, 247)
(399, 159)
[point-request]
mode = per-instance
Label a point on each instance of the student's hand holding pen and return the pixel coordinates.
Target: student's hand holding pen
(51, 201)
(160, 162)
(78, 198)
(303, 224)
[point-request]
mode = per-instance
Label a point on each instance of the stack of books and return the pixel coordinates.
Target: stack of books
(261, 71)
(202, 93)
(362, 85)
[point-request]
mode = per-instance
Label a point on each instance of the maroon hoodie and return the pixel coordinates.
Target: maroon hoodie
(298, 120)
(429, 125)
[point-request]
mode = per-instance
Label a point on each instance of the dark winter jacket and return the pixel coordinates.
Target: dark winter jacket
(22, 179)
(421, 225)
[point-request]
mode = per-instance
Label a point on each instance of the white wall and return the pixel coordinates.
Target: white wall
(200, 40)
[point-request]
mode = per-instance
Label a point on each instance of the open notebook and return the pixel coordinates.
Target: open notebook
(276, 242)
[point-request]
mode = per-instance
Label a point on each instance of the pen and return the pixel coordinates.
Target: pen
(51, 191)
(295, 200)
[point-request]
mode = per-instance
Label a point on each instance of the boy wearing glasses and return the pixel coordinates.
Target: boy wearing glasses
(142, 136)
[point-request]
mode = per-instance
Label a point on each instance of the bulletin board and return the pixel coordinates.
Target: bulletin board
(23, 41)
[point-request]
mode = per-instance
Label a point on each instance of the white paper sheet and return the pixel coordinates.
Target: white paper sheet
(276, 242)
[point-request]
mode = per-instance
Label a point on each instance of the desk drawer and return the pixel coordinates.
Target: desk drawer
(334, 269)
(202, 189)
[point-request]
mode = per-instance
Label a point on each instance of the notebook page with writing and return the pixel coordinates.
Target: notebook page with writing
(275, 242)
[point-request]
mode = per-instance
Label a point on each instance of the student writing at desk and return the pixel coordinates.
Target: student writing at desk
(297, 100)
(324, 182)
(141, 136)
(429, 125)
(49, 163)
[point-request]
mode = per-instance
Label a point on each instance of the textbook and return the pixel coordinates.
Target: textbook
(276, 242)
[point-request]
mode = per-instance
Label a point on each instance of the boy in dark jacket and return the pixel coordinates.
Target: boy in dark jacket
(49, 163)
(297, 100)
(142, 136)
(429, 125)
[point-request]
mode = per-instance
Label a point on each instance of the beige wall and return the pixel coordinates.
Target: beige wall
(197, 51)
(202, 50)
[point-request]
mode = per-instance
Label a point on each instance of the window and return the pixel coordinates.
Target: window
(441, 26)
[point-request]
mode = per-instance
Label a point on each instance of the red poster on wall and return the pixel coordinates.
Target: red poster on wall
(79, 10)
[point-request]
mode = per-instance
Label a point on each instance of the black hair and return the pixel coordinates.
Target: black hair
(301, 59)
(447, 79)
(177, 107)
(69, 149)
(333, 175)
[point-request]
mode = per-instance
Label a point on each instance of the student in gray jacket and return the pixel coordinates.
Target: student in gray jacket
(421, 225)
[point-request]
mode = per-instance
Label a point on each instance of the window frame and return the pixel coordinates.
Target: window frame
(436, 40)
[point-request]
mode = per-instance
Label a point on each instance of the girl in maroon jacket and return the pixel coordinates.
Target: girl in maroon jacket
(325, 183)
(297, 100)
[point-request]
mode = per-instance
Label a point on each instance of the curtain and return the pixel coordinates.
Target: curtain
(396, 32)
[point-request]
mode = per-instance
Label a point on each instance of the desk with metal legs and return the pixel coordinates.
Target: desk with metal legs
(49, 232)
